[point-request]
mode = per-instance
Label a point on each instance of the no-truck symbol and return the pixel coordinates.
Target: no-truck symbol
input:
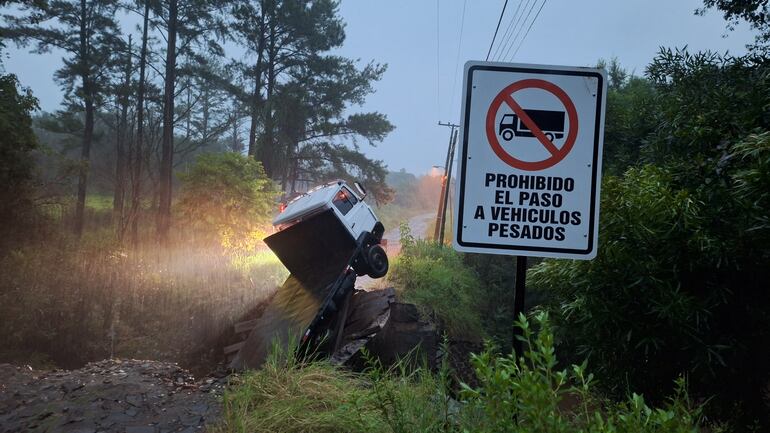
(547, 126)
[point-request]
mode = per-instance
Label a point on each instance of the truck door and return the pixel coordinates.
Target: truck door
(358, 217)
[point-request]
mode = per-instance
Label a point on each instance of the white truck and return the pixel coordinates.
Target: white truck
(325, 238)
(319, 232)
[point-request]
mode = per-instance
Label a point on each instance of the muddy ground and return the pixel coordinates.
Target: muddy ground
(128, 396)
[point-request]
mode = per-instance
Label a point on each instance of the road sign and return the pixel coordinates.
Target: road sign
(530, 157)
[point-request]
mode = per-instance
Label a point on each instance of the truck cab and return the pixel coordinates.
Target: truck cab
(328, 228)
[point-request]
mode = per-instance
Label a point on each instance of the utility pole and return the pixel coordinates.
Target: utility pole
(438, 233)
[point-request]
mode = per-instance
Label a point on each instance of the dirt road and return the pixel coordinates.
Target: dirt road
(418, 225)
(108, 396)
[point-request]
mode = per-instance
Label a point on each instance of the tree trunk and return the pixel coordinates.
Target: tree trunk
(267, 150)
(136, 181)
(120, 172)
(122, 139)
(255, 111)
(167, 146)
(88, 131)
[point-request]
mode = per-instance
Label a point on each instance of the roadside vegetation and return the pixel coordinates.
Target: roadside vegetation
(532, 395)
(436, 279)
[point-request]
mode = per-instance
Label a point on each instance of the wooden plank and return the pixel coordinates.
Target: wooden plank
(234, 347)
(245, 326)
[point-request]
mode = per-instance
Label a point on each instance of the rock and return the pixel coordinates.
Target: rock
(404, 332)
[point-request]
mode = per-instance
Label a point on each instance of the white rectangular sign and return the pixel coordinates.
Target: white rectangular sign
(529, 167)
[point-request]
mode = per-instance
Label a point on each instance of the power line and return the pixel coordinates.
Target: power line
(497, 28)
(523, 23)
(508, 32)
(511, 40)
(438, 62)
(530, 28)
(457, 59)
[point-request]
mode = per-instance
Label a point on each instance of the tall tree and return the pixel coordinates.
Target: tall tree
(16, 158)
(316, 140)
(249, 24)
(122, 140)
(88, 33)
(188, 25)
(138, 144)
(754, 12)
(166, 163)
(297, 32)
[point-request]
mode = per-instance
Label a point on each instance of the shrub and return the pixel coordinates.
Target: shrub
(16, 160)
(532, 395)
(678, 288)
(434, 277)
(528, 396)
(228, 198)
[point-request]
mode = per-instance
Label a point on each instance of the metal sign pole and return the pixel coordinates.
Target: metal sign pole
(518, 301)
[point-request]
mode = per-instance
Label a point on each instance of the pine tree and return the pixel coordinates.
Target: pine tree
(88, 33)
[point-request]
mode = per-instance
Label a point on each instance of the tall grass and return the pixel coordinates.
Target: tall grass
(435, 278)
(75, 304)
(528, 395)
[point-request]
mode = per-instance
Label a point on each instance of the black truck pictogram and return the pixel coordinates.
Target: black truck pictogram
(550, 122)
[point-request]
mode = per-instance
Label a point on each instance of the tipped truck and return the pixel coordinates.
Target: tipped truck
(325, 238)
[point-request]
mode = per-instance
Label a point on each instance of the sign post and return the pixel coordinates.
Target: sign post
(529, 171)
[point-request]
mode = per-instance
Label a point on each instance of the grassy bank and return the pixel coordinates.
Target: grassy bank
(436, 279)
(532, 396)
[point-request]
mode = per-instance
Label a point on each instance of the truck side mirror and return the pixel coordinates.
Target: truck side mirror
(360, 189)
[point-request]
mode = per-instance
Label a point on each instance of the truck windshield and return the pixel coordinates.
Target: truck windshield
(345, 200)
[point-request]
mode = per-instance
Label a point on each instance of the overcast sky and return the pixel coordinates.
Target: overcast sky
(419, 41)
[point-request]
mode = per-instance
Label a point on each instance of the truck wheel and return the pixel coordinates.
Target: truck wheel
(377, 260)
(507, 135)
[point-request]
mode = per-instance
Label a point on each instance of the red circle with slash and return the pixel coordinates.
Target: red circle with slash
(506, 96)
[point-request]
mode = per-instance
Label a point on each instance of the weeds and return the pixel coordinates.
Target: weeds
(434, 277)
(529, 395)
(290, 397)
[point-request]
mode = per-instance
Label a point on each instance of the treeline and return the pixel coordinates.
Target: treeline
(140, 101)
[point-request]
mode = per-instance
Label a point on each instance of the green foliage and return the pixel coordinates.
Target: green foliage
(228, 197)
(755, 12)
(434, 277)
(704, 103)
(532, 395)
(282, 398)
(630, 117)
(673, 291)
(16, 156)
(678, 287)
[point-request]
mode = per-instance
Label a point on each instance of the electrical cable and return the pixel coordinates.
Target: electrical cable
(507, 33)
(497, 28)
(438, 63)
(517, 27)
(530, 28)
(457, 59)
(523, 23)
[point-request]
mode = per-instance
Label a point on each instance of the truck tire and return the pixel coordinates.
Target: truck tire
(377, 261)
